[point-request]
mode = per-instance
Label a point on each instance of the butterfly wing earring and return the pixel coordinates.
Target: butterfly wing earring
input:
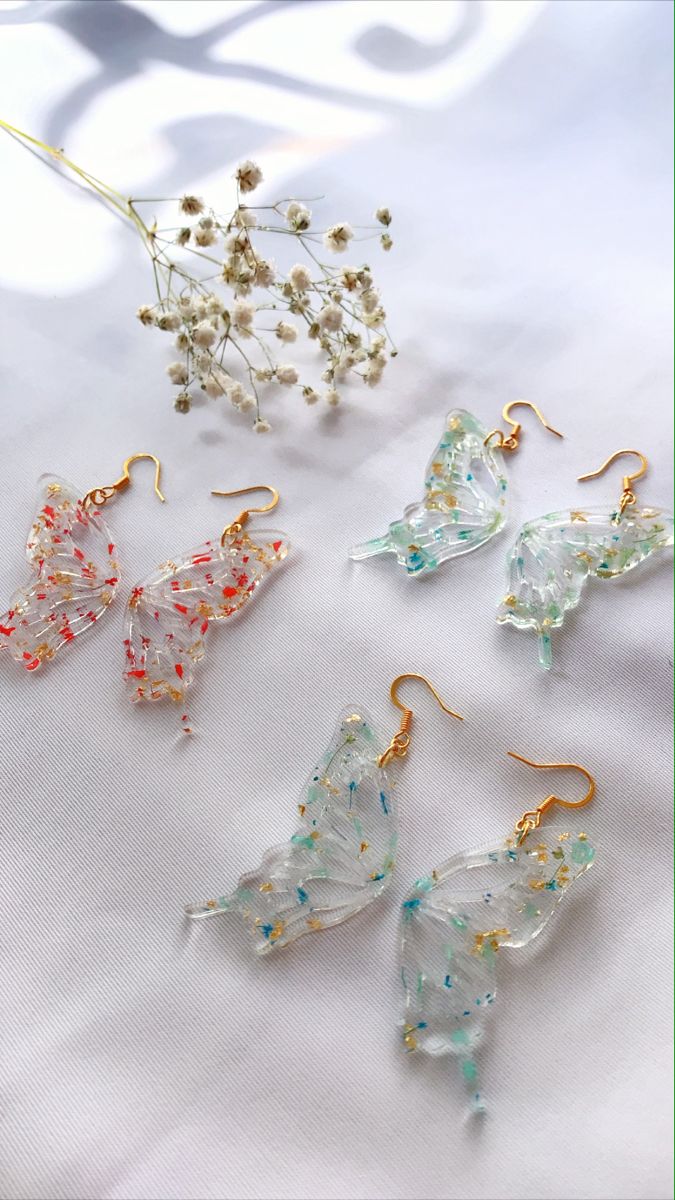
(341, 855)
(465, 489)
(554, 556)
(168, 613)
(74, 569)
(451, 936)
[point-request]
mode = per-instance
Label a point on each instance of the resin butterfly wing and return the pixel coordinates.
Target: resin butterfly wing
(339, 858)
(464, 502)
(554, 556)
(451, 934)
(74, 576)
(168, 614)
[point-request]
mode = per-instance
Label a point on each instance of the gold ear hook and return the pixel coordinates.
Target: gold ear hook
(531, 820)
(237, 525)
(511, 442)
(100, 495)
(628, 495)
(398, 746)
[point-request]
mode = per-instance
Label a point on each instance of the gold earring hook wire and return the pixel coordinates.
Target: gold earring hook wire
(398, 746)
(628, 495)
(237, 525)
(512, 441)
(99, 496)
(532, 819)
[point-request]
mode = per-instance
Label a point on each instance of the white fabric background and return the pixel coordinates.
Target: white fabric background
(527, 166)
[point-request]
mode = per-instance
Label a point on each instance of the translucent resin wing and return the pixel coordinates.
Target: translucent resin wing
(169, 613)
(554, 556)
(74, 576)
(339, 858)
(464, 502)
(452, 937)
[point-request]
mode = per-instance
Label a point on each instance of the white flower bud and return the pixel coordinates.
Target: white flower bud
(191, 205)
(204, 334)
(338, 237)
(300, 278)
(330, 318)
(177, 372)
(287, 374)
(286, 332)
(169, 322)
(243, 313)
(249, 175)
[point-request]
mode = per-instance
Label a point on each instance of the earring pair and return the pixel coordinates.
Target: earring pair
(75, 575)
(341, 857)
(464, 506)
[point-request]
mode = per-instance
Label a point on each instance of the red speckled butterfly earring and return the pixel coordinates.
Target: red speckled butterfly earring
(168, 613)
(75, 572)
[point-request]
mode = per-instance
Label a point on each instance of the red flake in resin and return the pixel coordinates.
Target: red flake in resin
(276, 546)
(111, 547)
(136, 674)
(112, 581)
(181, 601)
(7, 629)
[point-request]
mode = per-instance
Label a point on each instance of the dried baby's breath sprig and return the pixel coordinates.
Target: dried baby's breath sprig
(224, 316)
(226, 303)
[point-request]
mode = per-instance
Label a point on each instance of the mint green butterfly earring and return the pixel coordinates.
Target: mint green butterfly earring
(451, 932)
(554, 555)
(465, 495)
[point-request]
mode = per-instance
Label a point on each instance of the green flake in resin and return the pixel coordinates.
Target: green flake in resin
(554, 556)
(582, 853)
(464, 504)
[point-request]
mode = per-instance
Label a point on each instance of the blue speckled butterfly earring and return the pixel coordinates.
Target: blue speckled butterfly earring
(554, 555)
(341, 856)
(451, 935)
(464, 502)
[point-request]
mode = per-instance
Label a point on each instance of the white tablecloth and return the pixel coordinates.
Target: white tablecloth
(523, 148)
